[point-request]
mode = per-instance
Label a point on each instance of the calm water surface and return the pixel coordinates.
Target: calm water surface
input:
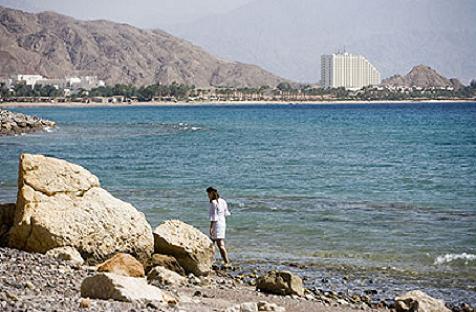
(366, 187)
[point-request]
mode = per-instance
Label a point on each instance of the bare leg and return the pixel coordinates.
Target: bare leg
(223, 252)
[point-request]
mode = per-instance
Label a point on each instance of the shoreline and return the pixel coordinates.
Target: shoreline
(226, 103)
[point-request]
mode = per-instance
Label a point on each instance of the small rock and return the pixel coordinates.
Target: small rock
(266, 306)
(11, 296)
(168, 262)
(85, 303)
(29, 285)
(123, 264)
(417, 300)
(160, 276)
(192, 279)
(197, 293)
(117, 287)
(66, 253)
(281, 283)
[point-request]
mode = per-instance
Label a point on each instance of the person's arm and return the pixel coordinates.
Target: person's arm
(211, 227)
(212, 213)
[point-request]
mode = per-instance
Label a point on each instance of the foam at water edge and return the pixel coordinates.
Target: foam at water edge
(453, 257)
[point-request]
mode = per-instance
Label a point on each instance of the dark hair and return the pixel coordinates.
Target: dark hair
(214, 193)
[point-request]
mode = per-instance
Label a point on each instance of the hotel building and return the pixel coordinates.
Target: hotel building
(348, 71)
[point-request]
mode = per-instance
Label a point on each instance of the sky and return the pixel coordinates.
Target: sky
(140, 13)
(287, 37)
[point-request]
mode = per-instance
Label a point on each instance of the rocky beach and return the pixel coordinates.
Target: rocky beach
(68, 244)
(12, 123)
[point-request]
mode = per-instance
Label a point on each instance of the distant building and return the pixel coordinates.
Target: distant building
(72, 83)
(29, 80)
(348, 71)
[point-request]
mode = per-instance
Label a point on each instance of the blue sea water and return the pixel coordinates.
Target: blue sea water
(389, 187)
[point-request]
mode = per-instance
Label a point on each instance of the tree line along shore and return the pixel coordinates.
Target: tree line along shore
(283, 92)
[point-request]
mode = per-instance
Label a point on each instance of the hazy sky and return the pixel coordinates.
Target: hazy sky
(142, 13)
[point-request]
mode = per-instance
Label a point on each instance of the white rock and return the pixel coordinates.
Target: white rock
(193, 250)
(160, 276)
(61, 204)
(66, 253)
(417, 300)
(244, 307)
(266, 306)
(117, 287)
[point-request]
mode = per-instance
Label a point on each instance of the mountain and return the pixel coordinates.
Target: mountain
(424, 77)
(288, 37)
(54, 45)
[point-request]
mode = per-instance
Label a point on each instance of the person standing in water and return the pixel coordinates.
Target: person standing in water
(217, 213)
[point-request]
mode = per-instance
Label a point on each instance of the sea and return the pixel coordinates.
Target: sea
(371, 198)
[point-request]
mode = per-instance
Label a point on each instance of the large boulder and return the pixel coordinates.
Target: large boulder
(280, 283)
(123, 264)
(165, 261)
(418, 301)
(121, 288)
(193, 250)
(7, 215)
(62, 204)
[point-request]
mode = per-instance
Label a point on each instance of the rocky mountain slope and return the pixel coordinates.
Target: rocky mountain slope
(424, 77)
(54, 45)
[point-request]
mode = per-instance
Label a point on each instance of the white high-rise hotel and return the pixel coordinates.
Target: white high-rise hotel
(348, 71)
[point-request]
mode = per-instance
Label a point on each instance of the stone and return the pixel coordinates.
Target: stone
(62, 204)
(266, 306)
(107, 286)
(85, 303)
(160, 276)
(165, 261)
(416, 300)
(7, 215)
(122, 264)
(12, 123)
(280, 283)
(193, 250)
(244, 307)
(66, 253)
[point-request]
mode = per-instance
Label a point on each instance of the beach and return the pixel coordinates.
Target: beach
(220, 103)
(356, 199)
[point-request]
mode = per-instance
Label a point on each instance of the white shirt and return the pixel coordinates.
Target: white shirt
(218, 210)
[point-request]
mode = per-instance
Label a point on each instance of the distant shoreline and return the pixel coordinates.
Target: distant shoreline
(225, 103)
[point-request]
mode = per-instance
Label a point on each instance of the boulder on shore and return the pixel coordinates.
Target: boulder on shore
(12, 123)
(280, 283)
(121, 288)
(193, 250)
(7, 215)
(165, 261)
(62, 204)
(416, 300)
(123, 264)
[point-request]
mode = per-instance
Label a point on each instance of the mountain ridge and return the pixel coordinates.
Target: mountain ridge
(56, 46)
(422, 76)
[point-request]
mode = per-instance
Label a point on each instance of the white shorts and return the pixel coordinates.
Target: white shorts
(218, 230)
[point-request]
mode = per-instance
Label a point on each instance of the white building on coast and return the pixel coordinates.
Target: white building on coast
(347, 70)
(72, 83)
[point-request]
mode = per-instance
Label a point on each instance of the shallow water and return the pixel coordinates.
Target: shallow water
(363, 187)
